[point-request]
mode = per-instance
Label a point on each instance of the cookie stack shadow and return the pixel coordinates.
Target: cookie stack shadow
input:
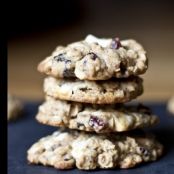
(87, 87)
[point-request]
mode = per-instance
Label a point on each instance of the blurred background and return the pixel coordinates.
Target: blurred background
(35, 31)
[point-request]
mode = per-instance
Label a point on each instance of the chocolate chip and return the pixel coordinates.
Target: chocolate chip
(61, 58)
(96, 122)
(116, 44)
(93, 55)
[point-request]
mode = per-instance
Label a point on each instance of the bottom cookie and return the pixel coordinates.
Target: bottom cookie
(68, 149)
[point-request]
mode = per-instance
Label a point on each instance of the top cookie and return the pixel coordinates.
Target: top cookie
(96, 59)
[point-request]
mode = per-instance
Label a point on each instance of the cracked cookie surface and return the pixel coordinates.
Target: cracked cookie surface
(97, 92)
(95, 118)
(96, 59)
(69, 149)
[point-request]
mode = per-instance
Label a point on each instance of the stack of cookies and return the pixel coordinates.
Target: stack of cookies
(88, 82)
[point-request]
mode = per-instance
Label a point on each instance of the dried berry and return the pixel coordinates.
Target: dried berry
(61, 58)
(93, 55)
(55, 146)
(68, 73)
(96, 122)
(104, 90)
(116, 44)
(144, 151)
(83, 89)
(84, 63)
(80, 124)
(66, 159)
(123, 67)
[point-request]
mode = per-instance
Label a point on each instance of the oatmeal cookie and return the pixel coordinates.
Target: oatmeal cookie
(96, 59)
(95, 118)
(69, 149)
(97, 92)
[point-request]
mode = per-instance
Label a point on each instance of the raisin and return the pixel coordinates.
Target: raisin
(68, 73)
(80, 124)
(116, 44)
(61, 58)
(96, 122)
(104, 90)
(93, 55)
(144, 151)
(84, 63)
(84, 89)
(66, 159)
(55, 146)
(123, 67)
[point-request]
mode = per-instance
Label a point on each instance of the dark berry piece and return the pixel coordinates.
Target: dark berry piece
(68, 73)
(61, 58)
(80, 125)
(83, 89)
(116, 44)
(84, 63)
(93, 55)
(66, 159)
(55, 146)
(144, 151)
(123, 67)
(96, 122)
(104, 90)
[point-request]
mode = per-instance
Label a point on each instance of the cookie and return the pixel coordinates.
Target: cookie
(170, 105)
(69, 149)
(15, 107)
(97, 92)
(96, 59)
(95, 118)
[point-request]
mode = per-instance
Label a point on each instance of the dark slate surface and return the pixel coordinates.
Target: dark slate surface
(25, 131)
